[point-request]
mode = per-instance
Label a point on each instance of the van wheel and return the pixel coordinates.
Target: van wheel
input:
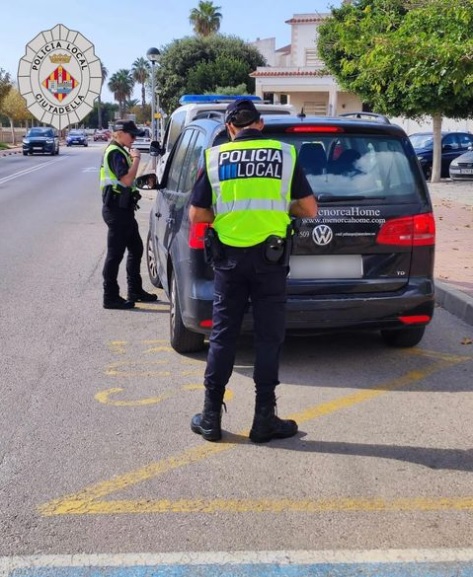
(403, 338)
(182, 340)
(152, 263)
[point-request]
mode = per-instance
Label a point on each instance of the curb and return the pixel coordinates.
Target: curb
(10, 152)
(454, 301)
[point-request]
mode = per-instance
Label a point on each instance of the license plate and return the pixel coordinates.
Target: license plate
(326, 266)
(37, 148)
(466, 170)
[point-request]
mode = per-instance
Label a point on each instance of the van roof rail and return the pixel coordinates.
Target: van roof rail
(203, 98)
(367, 116)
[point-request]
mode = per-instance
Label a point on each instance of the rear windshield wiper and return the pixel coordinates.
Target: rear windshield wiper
(342, 198)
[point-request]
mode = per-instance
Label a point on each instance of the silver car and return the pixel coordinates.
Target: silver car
(142, 142)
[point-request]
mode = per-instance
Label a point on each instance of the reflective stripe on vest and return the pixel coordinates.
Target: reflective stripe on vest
(251, 189)
(107, 176)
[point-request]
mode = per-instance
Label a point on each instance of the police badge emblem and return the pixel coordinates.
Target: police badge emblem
(60, 77)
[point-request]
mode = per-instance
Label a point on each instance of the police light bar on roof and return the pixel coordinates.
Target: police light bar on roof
(204, 98)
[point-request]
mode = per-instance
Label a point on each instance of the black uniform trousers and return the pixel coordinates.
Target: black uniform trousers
(243, 275)
(123, 234)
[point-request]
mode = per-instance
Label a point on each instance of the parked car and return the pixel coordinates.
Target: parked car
(142, 142)
(77, 137)
(454, 144)
(365, 262)
(461, 168)
(103, 135)
(43, 139)
(194, 106)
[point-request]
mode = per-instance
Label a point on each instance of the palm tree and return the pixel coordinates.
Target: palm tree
(141, 71)
(99, 101)
(206, 18)
(121, 84)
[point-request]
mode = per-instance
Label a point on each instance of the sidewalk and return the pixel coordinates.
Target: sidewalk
(453, 211)
(9, 151)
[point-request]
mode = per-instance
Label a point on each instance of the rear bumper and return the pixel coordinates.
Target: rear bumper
(326, 313)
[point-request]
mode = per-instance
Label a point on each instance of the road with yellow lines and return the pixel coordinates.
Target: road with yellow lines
(98, 466)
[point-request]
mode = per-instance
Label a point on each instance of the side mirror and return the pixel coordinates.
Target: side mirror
(147, 182)
(155, 149)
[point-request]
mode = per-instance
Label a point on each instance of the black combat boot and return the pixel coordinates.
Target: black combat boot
(141, 296)
(117, 302)
(267, 425)
(208, 423)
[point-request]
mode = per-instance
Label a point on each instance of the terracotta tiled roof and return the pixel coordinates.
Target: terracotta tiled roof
(286, 48)
(296, 73)
(312, 18)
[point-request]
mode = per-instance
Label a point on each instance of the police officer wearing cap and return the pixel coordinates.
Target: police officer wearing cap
(248, 190)
(120, 200)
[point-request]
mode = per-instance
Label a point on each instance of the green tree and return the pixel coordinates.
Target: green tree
(199, 65)
(5, 84)
(121, 84)
(107, 114)
(14, 108)
(141, 70)
(404, 58)
(142, 114)
(230, 90)
(99, 98)
(205, 19)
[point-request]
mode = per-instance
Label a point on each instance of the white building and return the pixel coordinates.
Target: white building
(294, 75)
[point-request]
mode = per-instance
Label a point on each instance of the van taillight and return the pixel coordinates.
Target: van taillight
(197, 234)
(416, 230)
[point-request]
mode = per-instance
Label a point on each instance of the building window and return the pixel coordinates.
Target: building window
(311, 58)
(315, 108)
(268, 97)
(283, 99)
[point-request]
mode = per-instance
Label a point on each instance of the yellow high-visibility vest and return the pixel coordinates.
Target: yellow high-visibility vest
(107, 176)
(251, 189)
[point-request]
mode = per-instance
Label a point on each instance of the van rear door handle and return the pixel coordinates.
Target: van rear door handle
(169, 220)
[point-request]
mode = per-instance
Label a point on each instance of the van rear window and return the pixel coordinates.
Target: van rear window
(374, 166)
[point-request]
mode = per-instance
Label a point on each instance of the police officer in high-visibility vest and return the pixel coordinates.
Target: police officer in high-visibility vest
(248, 190)
(120, 197)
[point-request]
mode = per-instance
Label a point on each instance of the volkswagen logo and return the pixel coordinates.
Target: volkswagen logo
(322, 235)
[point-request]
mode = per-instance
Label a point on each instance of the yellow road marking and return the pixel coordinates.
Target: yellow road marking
(118, 347)
(83, 507)
(126, 369)
(159, 349)
(88, 501)
(150, 307)
(105, 398)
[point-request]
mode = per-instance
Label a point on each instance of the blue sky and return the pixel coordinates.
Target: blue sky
(122, 32)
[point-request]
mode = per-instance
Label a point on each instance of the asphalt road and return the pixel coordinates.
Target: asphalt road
(96, 454)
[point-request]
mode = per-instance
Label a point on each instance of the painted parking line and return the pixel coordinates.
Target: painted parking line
(91, 500)
(378, 563)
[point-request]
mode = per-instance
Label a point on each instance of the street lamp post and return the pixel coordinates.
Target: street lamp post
(153, 56)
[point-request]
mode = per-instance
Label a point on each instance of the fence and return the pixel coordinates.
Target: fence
(7, 136)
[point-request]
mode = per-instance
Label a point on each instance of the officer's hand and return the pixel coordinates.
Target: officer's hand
(135, 153)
